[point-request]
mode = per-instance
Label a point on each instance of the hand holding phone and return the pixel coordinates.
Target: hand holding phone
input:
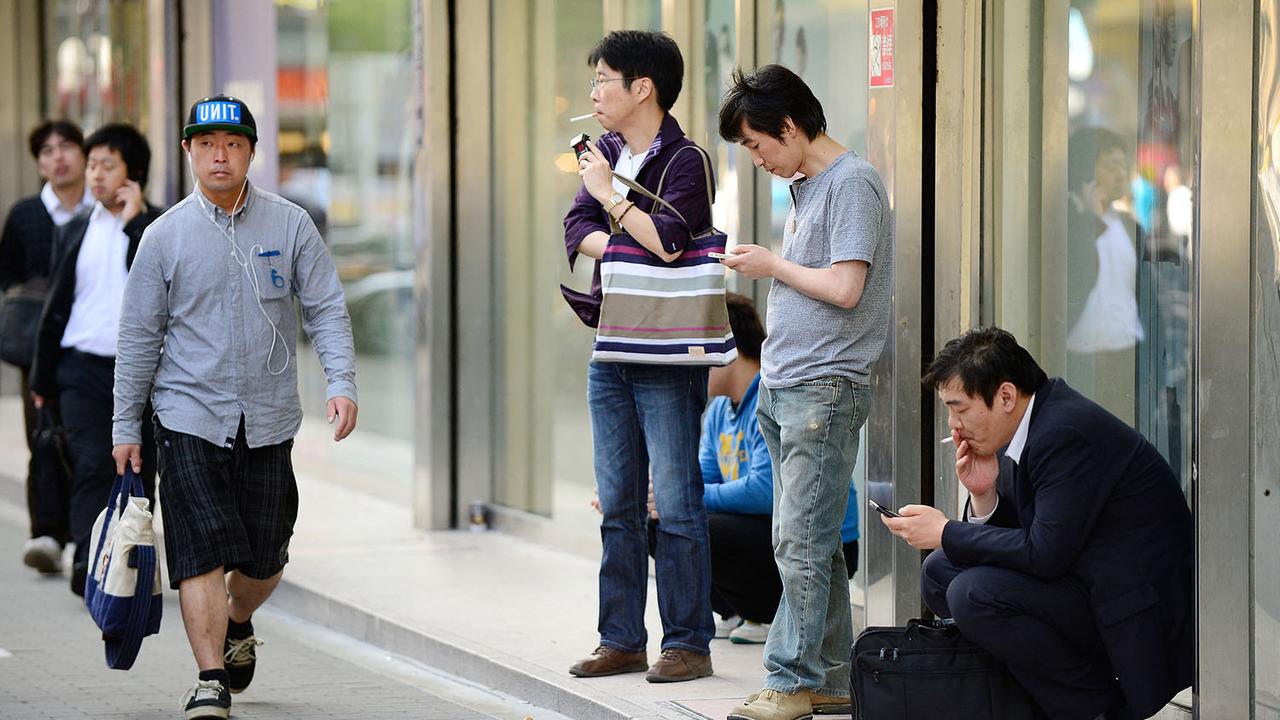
(882, 509)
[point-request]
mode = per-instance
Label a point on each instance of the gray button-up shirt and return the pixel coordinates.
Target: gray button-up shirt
(194, 330)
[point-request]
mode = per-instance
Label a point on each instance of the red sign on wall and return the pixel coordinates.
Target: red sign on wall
(882, 48)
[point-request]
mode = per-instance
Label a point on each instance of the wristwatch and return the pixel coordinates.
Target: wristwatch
(614, 199)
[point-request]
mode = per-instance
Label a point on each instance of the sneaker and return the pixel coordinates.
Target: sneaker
(44, 554)
(207, 699)
(773, 705)
(679, 665)
(605, 660)
(830, 704)
(749, 633)
(240, 657)
(724, 626)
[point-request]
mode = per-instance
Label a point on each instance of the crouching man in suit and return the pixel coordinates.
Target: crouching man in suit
(1074, 560)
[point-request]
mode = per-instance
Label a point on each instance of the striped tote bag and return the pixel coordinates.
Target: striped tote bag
(662, 313)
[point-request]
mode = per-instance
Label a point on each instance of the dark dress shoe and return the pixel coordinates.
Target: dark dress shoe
(605, 660)
(79, 574)
(678, 665)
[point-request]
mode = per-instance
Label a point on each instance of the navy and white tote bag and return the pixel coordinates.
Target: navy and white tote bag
(123, 587)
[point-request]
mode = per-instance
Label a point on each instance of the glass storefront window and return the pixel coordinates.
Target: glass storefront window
(816, 39)
(719, 52)
(540, 79)
(97, 59)
(347, 95)
(1091, 210)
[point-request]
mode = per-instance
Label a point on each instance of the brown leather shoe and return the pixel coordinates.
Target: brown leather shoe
(678, 665)
(605, 660)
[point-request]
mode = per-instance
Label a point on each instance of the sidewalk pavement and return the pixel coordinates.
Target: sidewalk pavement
(52, 664)
(496, 610)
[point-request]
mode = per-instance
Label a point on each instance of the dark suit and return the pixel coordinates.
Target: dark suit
(1083, 579)
(82, 384)
(26, 251)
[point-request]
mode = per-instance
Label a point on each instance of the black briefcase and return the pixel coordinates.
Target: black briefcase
(926, 671)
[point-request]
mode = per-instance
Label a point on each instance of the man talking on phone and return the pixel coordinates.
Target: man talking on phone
(1074, 561)
(76, 340)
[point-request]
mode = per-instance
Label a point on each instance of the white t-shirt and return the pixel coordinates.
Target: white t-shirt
(628, 166)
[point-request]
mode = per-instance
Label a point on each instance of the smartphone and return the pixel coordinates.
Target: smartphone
(717, 256)
(882, 509)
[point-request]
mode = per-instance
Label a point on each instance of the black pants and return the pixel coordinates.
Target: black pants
(1043, 630)
(48, 485)
(85, 401)
(744, 576)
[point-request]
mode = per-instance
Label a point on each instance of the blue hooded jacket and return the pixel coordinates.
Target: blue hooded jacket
(736, 469)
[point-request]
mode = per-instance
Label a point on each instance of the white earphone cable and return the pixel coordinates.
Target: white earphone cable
(243, 261)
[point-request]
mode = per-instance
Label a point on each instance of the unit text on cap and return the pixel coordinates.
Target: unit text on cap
(217, 111)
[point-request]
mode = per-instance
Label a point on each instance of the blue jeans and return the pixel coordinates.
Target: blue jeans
(811, 431)
(646, 416)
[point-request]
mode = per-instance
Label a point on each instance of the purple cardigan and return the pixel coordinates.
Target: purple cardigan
(685, 189)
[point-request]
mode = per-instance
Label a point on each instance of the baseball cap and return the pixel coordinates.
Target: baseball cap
(220, 112)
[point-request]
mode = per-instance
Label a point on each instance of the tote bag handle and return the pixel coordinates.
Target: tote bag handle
(706, 168)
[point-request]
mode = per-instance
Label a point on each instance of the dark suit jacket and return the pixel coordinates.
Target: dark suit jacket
(26, 242)
(62, 293)
(1091, 498)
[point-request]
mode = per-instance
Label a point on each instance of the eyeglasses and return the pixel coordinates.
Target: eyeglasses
(596, 82)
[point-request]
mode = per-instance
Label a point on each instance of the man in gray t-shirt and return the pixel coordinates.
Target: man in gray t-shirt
(827, 319)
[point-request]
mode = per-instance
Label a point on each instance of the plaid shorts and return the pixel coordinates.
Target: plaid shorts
(225, 507)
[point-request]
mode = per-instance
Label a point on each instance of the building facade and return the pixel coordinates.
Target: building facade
(1100, 178)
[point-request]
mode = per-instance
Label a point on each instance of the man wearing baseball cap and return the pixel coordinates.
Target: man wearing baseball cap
(215, 284)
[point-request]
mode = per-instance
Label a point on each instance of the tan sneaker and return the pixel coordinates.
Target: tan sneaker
(679, 665)
(829, 704)
(605, 660)
(822, 704)
(773, 705)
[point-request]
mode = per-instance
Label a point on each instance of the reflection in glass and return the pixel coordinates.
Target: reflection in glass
(347, 102)
(97, 55)
(543, 441)
(1129, 206)
(721, 57)
(815, 39)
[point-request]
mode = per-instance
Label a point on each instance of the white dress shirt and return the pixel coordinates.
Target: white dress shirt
(60, 214)
(1013, 452)
(100, 276)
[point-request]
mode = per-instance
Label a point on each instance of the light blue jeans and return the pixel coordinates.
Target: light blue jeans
(811, 431)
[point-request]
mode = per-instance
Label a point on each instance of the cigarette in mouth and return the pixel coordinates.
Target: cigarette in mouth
(946, 440)
(580, 118)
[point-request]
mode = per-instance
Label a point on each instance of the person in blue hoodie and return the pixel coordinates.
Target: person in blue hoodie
(738, 491)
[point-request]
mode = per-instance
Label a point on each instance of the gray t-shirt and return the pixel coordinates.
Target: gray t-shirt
(840, 214)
